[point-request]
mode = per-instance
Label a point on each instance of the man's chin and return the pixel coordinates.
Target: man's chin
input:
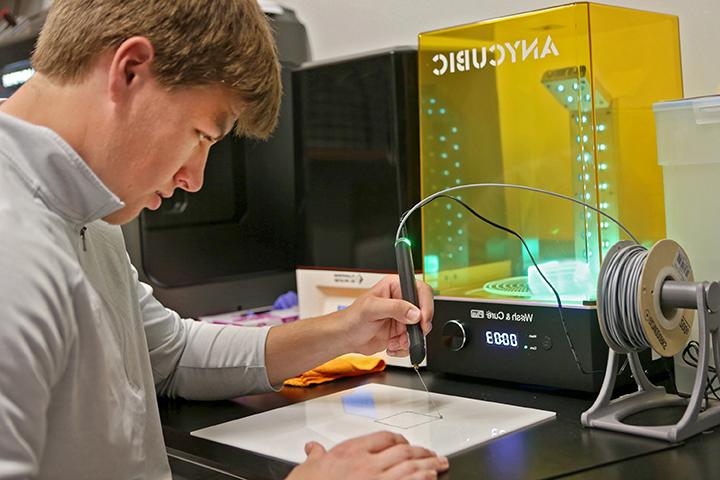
(123, 216)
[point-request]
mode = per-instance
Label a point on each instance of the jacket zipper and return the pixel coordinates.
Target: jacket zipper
(82, 235)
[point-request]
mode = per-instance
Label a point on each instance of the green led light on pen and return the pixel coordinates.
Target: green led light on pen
(404, 240)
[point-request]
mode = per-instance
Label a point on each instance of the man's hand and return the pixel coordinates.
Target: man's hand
(377, 320)
(380, 455)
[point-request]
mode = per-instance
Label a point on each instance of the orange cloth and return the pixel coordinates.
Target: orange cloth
(349, 365)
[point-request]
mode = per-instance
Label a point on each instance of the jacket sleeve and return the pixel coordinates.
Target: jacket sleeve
(37, 329)
(201, 361)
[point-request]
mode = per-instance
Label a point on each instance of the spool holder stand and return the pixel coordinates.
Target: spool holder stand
(699, 415)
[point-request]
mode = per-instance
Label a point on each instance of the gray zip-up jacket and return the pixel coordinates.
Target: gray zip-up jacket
(84, 346)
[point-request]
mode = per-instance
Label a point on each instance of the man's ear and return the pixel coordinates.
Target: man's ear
(130, 67)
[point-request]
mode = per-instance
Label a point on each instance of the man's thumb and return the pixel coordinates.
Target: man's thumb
(314, 450)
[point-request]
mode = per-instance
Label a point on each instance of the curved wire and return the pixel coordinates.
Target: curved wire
(435, 195)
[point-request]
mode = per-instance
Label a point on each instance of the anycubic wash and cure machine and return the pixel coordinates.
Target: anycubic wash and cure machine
(558, 99)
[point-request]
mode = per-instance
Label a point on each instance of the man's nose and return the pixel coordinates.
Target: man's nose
(191, 175)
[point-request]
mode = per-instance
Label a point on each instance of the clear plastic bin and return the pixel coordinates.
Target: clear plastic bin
(688, 138)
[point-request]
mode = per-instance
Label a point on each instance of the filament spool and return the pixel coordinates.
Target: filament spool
(643, 322)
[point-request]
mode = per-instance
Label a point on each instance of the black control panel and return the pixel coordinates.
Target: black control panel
(523, 343)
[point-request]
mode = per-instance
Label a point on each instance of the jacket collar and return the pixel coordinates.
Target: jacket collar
(55, 172)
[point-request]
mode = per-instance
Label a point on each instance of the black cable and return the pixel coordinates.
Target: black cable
(691, 356)
(671, 373)
(532, 258)
(710, 389)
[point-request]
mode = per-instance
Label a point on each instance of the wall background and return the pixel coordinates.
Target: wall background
(342, 27)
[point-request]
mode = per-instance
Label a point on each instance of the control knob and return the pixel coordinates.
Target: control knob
(453, 335)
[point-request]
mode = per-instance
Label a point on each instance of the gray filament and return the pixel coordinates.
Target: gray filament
(621, 309)
(439, 415)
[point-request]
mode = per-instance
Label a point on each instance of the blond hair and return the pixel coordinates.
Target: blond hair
(197, 42)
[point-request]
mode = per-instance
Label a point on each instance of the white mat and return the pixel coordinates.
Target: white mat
(282, 433)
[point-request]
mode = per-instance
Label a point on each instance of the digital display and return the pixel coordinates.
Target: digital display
(501, 339)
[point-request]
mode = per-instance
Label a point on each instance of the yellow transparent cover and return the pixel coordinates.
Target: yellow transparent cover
(559, 99)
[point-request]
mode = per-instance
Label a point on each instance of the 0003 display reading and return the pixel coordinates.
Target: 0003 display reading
(501, 339)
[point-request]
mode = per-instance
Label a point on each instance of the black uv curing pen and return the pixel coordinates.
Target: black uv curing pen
(406, 272)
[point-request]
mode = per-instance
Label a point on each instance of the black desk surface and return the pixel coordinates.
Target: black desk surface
(559, 448)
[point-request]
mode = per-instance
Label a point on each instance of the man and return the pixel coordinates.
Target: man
(128, 97)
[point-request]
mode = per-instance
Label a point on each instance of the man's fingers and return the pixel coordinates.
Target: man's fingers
(397, 329)
(378, 441)
(400, 310)
(422, 475)
(417, 469)
(398, 341)
(400, 352)
(426, 305)
(389, 287)
(400, 453)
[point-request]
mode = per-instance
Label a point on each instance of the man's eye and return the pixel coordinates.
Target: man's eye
(204, 138)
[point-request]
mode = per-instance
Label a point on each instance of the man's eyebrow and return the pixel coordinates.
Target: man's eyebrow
(224, 124)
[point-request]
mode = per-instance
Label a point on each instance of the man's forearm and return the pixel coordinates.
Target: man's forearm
(294, 348)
